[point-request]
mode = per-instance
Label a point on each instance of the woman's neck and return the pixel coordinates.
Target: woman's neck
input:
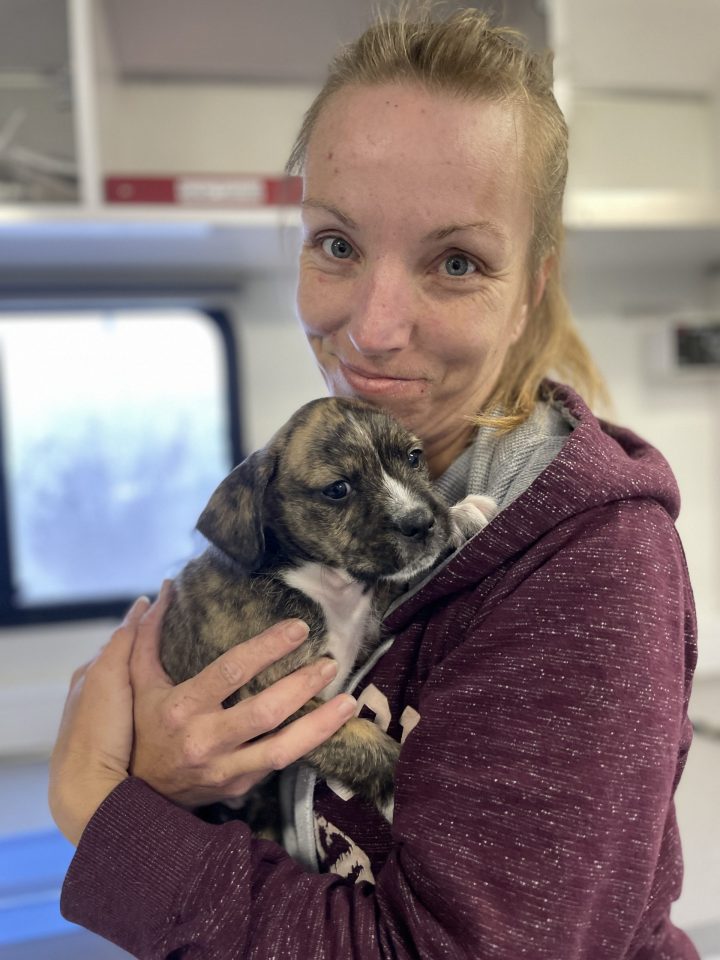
(443, 451)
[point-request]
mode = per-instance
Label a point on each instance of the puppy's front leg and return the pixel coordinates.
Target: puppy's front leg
(469, 516)
(362, 757)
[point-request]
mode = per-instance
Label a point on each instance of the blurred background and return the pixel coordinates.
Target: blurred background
(148, 341)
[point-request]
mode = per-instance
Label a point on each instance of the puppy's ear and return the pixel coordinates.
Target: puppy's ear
(233, 519)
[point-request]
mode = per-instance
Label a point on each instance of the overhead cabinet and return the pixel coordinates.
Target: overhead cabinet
(100, 99)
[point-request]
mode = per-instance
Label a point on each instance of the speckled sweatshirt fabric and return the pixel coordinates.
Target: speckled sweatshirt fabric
(539, 686)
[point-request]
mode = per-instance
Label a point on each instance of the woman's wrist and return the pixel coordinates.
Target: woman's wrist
(92, 752)
(73, 811)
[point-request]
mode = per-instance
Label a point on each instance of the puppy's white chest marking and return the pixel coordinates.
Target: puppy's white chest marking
(347, 606)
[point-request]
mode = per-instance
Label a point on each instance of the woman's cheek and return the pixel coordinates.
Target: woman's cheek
(309, 300)
(322, 303)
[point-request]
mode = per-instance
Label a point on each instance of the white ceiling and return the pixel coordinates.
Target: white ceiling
(656, 45)
(33, 36)
(279, 40)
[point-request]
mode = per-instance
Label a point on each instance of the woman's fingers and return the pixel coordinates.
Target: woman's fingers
(191, 749)
(214, 738)
(265, 711)
(145, 663)
(136, 612)
(232, 773)
(118, 651)
(120, 642)
(239, 664)
(285, 746)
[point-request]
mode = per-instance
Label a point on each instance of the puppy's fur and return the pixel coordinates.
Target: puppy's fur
(322, 524)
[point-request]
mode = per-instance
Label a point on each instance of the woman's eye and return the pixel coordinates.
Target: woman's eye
(336, 247)
(337, 491)
(414, 458)
(458, 265)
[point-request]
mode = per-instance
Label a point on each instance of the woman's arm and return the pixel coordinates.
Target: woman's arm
(551, 742)
(92, 750)
(533, 799)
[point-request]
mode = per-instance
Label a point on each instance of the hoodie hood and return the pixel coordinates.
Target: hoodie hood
(599, 463)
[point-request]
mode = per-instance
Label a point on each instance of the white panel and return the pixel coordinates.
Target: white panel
(182, 128)
(641, 142)
(682, 419)
(661, 45)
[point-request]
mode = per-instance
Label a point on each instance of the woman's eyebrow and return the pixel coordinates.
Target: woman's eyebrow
(329, 208)
(483, 226)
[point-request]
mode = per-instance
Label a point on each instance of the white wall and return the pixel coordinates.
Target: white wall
(680, 415)
(279, 370)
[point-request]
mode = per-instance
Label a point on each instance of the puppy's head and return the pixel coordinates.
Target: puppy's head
(342, 484)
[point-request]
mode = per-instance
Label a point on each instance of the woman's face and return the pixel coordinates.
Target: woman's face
(413, 274)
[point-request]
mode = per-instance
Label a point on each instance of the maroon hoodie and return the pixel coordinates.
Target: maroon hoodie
(539, 683)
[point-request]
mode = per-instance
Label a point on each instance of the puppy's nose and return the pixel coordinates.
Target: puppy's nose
(416, 524)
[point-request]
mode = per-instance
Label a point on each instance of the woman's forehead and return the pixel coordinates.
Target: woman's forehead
(369, 121)
(409, 148)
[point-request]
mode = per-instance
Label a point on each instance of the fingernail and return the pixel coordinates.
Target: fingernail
(159, 602)
(328, 669)
(296, 631)
(163, 594)
(346, 706)
(134, 610)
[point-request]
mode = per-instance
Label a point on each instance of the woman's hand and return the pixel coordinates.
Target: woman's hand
(92, 752)
(185, 744)
(192, 750)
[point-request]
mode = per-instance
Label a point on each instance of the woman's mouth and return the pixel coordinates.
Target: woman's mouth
(370, 382)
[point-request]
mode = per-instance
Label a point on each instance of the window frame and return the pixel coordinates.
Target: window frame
(11, 614)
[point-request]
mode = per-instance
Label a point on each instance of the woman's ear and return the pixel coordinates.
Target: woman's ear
(540, 280)
(536, 289)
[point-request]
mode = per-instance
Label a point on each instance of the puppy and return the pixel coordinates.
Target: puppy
(327, 521)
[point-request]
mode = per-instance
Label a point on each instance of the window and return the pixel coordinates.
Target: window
(116, 425)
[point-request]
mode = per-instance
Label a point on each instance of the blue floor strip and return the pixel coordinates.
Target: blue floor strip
(32, 868)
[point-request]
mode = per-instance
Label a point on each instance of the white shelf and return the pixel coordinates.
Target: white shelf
(642, 210)
(605, 231)
(80, 217)
(153, 244)
(616, 239)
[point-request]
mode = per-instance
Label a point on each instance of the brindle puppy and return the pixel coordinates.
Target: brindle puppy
(317, 525)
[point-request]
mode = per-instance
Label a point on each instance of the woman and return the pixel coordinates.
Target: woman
(539, 682)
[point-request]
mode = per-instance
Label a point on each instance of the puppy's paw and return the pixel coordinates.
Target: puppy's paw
(359, 760)
(469, 516)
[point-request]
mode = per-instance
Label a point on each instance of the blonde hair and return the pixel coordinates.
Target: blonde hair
(465, 56)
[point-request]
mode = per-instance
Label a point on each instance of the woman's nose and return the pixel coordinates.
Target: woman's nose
(382, 315)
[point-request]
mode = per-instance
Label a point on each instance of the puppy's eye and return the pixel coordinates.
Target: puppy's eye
(414, 458)
(337, 491)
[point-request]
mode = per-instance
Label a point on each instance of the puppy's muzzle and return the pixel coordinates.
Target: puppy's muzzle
(416, 525)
